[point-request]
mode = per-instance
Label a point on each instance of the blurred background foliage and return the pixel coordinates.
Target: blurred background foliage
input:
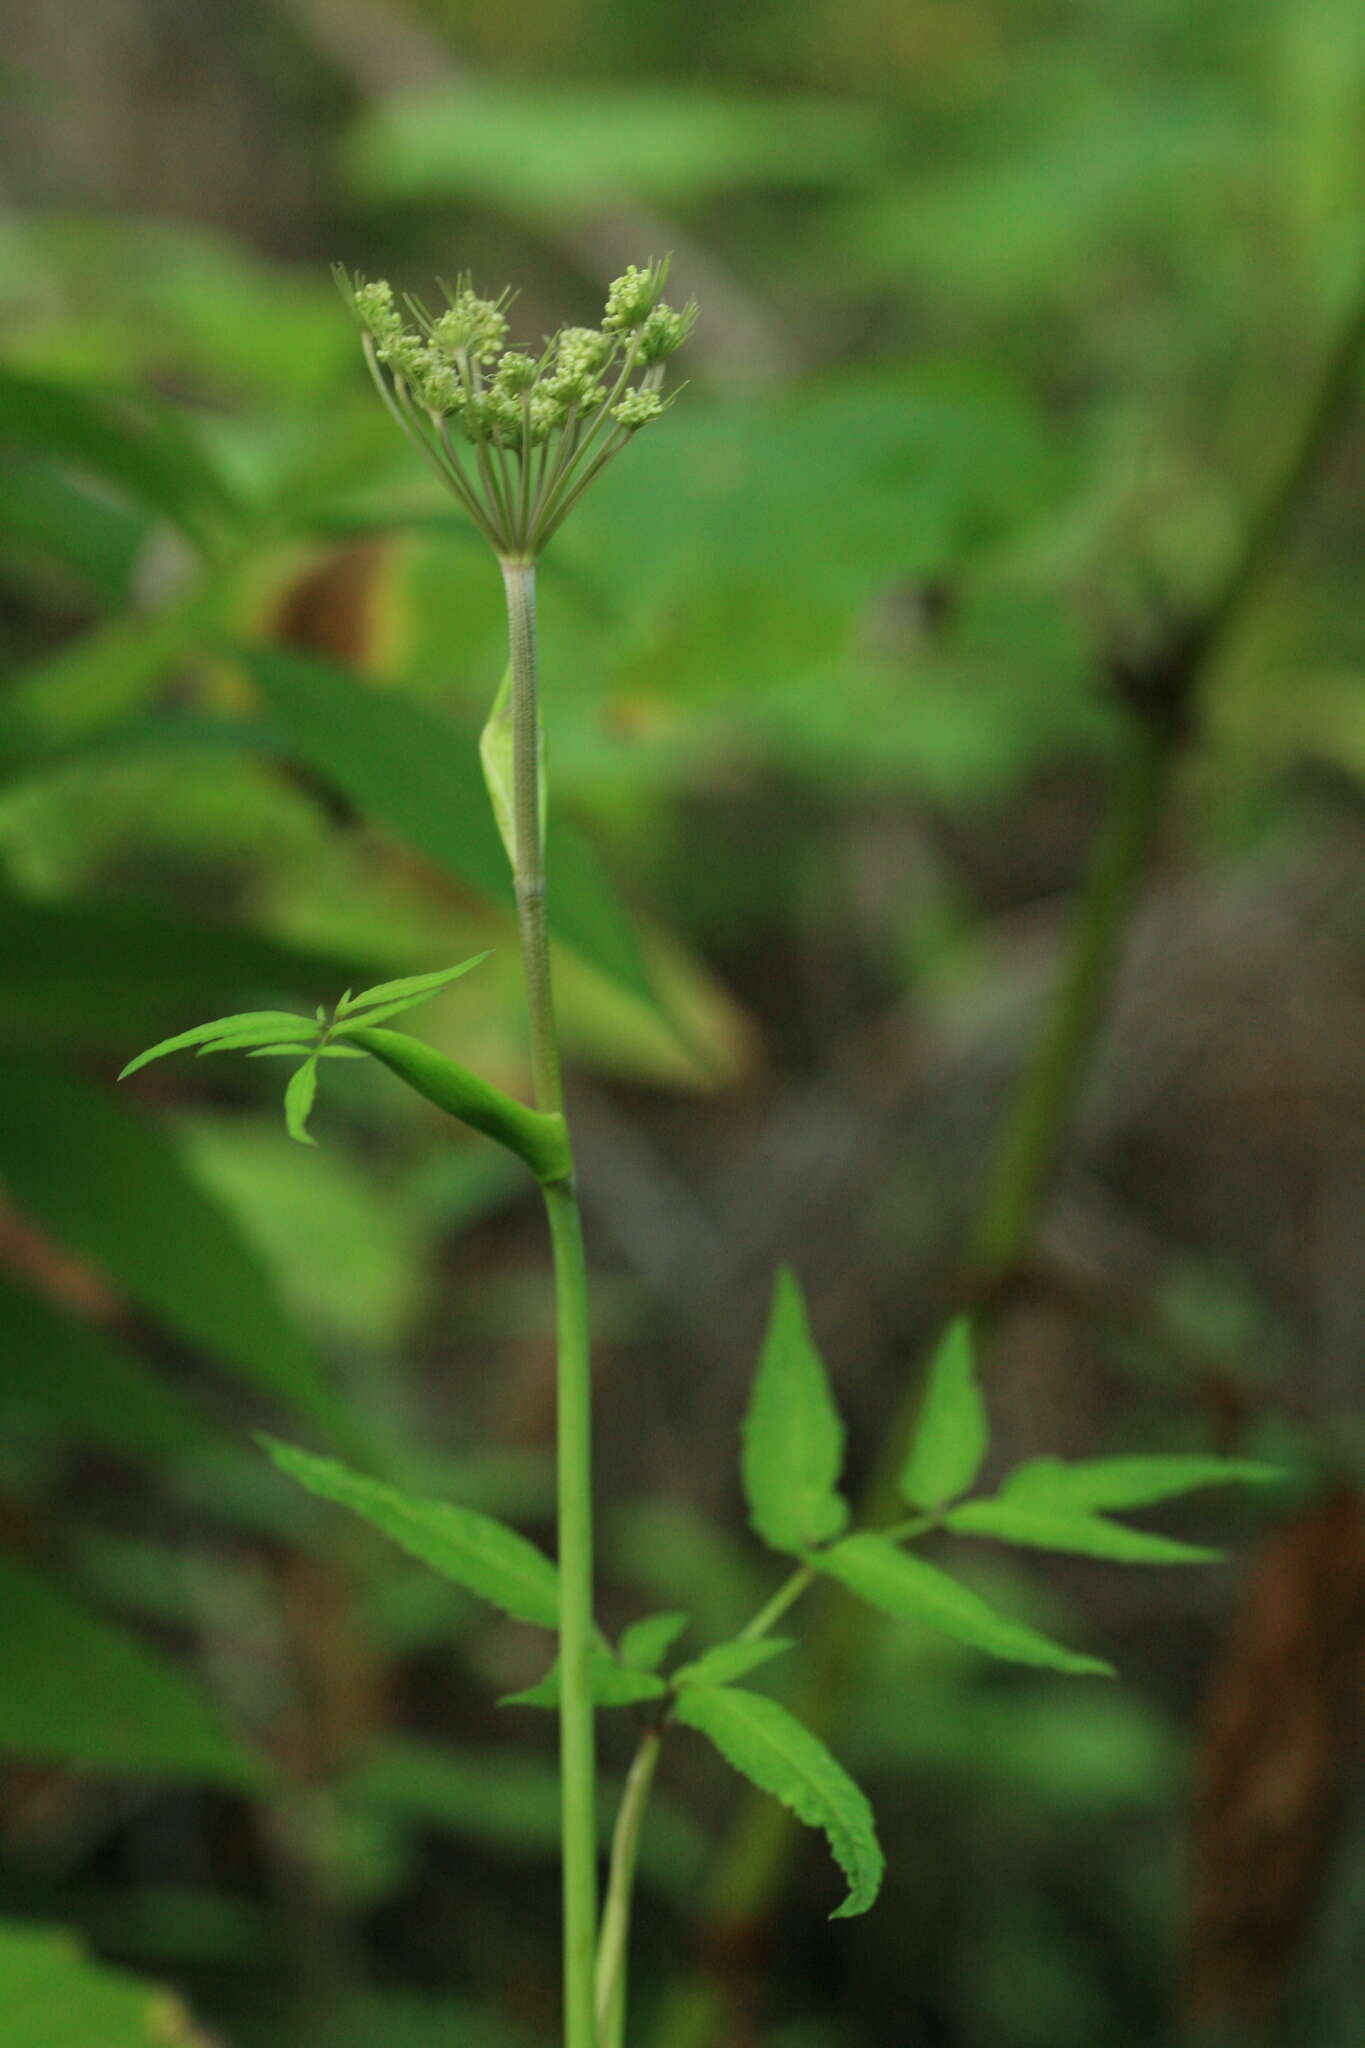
(1012, 314)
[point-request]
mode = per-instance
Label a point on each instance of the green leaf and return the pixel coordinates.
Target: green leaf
(1071, 1529)
(483, 1556)
(908, 1589)
(87, 1384)
(250, 1027)
(111, 1188)
(393, 997)
(299, 1098)
(952, 1433)
(293, 1052)
(645, 1644)
(79, 1690)
(793, 1438)
(52, 1995)
(729, 1661)
(1116, 1483)
(421, 777)
(613, 1685)
(769, 1746)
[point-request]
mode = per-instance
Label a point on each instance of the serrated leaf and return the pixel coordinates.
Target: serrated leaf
(645, 1644)
(908, 1589)
(405, 992)
(278, 1023)
(1072, 1530)
(1116, 1483)
(82, 1691)
(478, 1553)
(952, 1433)
(613, 1685)
(769, 1746)
(299, 1098)
(793, 1438)
(52, 1995)
(726, 1662)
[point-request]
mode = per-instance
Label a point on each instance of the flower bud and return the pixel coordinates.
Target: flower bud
(631, 299)
(637, 408)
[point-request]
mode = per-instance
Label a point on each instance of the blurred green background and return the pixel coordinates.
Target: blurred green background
(1013, 312)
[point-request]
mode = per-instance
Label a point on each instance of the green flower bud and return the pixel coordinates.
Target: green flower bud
(664, 331)
(406, 356)
(473, 325)
(638, 408)
(580, 352)
(441, 390)
(516, 373)
(375, 310)
(631, 299)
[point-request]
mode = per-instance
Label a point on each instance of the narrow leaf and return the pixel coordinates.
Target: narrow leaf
(767, 1745)
(242, 1041)
(299, 1098)
(908, 1589)
(1074, 1530)
(793, 1438)
(645, 1644)
(1110, 1483)
(952, 1433)
(408, 989)
(729, 1661)
(478, 1553)
(279, 1023)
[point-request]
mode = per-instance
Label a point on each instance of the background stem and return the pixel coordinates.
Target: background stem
(578, 1764)
(625, 1849)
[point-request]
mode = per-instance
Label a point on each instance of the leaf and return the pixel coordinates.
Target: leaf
(478, 1553)
(111, 1188)
(1072, 1529)
(1109, 1483)
(497, 757)
(613, 1685)
(86, 1383)
(793, 1438)
(421, 777)
(729, 1661)
(769, 1746)
(645, 1644)
(293, 1052)
(952, 1433)
(52, 1995)
(299, 1098)
(393, 997)
(80, 1691)
(248, 1028)
(908, 1589)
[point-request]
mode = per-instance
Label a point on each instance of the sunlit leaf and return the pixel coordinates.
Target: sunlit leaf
(951, 1434)
(770, 1747)
(793, 1438)
(478, 1553)
(908, 1589)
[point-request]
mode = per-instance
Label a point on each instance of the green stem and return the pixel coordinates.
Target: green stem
(625, 1850)
(578, 1761)
(1039, 1113)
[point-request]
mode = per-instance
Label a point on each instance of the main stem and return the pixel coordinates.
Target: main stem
(577, 1746)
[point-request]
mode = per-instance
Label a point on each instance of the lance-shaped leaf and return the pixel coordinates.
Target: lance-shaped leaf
(250, 1027)
(908, 1589)
(393, 997)
(793, 1438)
(769, 1746)
(951, 1434)
(480, 1554)
(1071, 1529)
(645, 1644)
(729, 1661)
(1105, 1484)
(299, 1098)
